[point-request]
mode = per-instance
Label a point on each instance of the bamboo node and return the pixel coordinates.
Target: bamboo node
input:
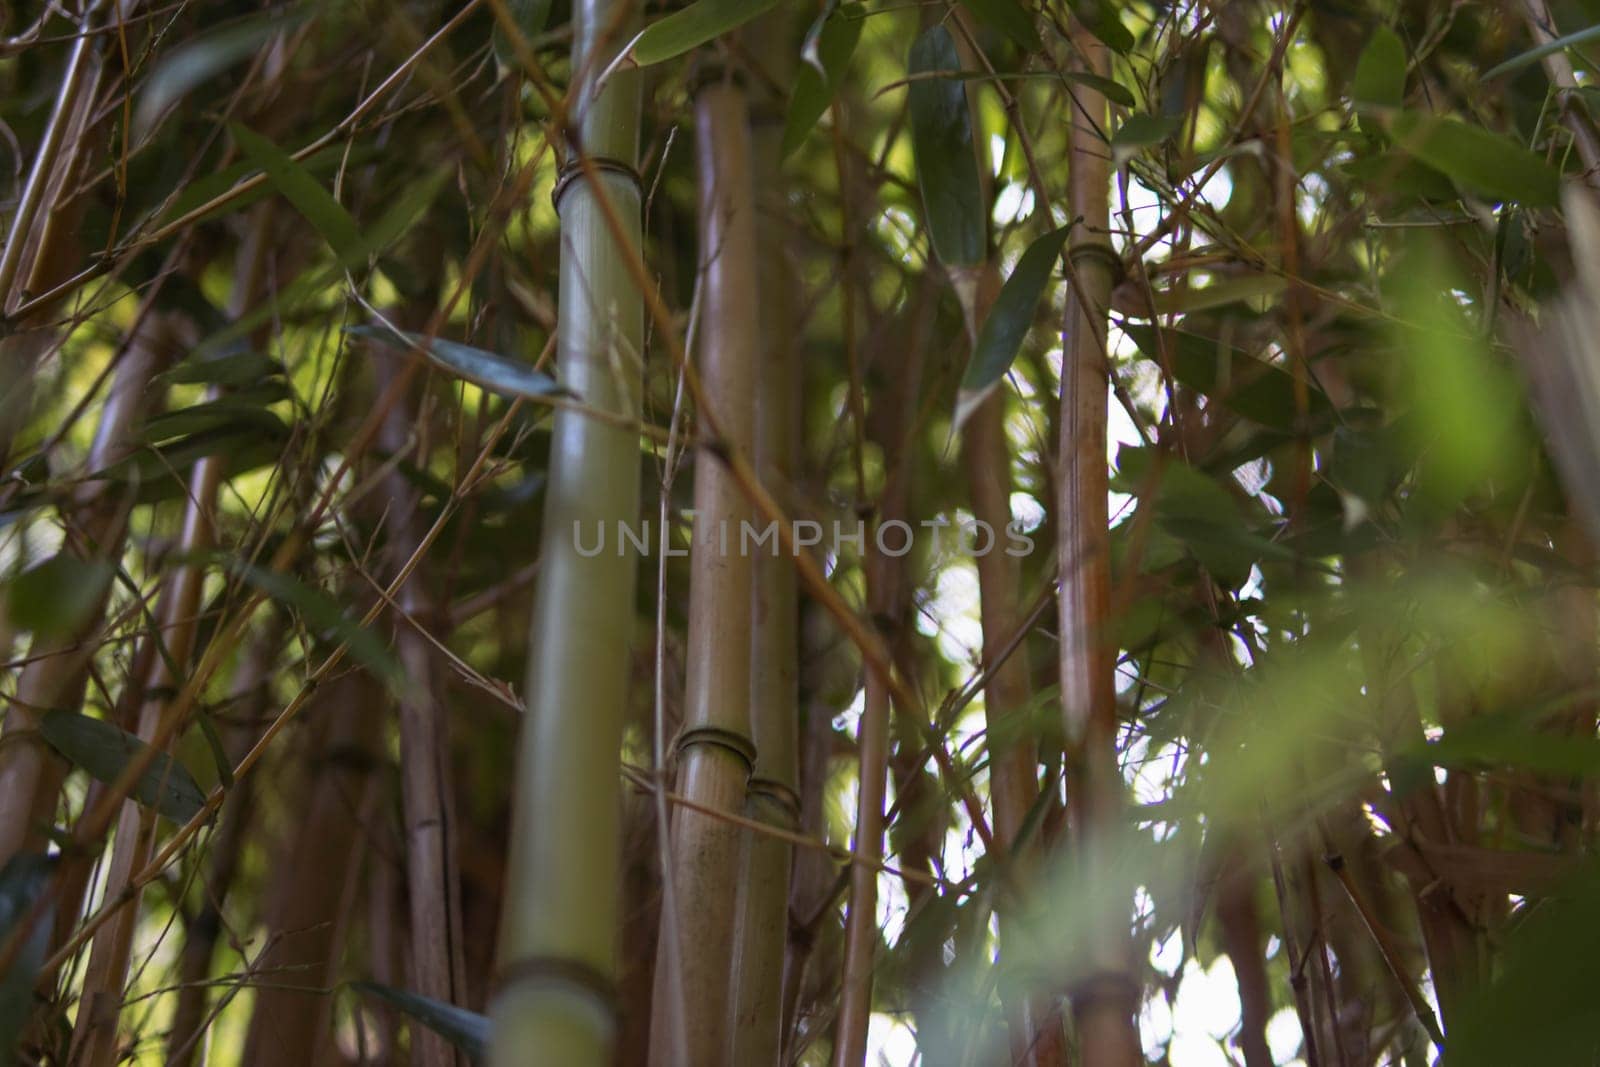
(564, 972)
(722, 737)
(1097, 250)
(780, 795)
(575, 169)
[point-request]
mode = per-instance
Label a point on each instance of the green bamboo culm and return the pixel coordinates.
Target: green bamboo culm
(555, 1000)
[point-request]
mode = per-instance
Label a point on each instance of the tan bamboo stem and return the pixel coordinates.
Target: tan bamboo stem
(715, 750)
(775, 642)
(887, 598)
(30, 771)
(81, 73)
(1106, 995)
(556, 996)
(224, 854)
(1037, 1037)
(95, 1039)
(433, 888)
(315, 875)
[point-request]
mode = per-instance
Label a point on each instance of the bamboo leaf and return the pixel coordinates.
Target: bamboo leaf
(1477, 159)
(530, 17)
(235, 369)
(195, 62)
(1139, 132)
(25, 877)
(297, 186)
(507, 377)
(829, 45)
(690, 27)
(1010, 18)
(941, 140)
(1103, 19)
(1219, 293)
(1108, 88)
(467, 1030)
(1380, 78)
(1008, 322)
(57, 597)
(105, 752)
(1533, 55)
(324, 615)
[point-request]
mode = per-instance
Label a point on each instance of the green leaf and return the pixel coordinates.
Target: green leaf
(59, 596)
(105, 752)
(23, 880)
(1465, 400)
(1010, 18)
(507, 377)
(1218, 293)
(324, 615)
(1139, 132)
(1380, 77)
(196, 61)
(690, 27)
(1477, 159)
(1103, 18)
(1256, 389)
(236, 368)
(530, 17)
(941, 140)
(829, 44)
(1111, 90)
(240, 414)
(464, 1029)
(295, 183)
(1008, 322)
(1533, 55)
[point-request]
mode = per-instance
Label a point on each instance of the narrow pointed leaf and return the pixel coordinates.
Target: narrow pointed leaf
(1112, 90)
(105, 751)
(1381, 71)
(195, 62)
(829, 45)
(1478, 160)
(1009, 17)
(1102, 18)
(323, 614)
(507, 377)
(690, 27)
(465, 1029)
(56, 597)
(530, 17)
(1533, 55)
(1009, 321)
(941, 139)
(297, 186)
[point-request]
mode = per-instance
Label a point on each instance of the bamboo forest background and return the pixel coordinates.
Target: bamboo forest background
(1267, 328)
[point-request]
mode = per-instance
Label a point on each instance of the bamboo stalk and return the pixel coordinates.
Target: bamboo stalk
(30, 771)
(225, 852)
(95, 1038)
(1106, 996)
(715, 750)
(315, 878)
(82, 71)
(1036, 1034)
(558, 966)
(887, 600)
(433, 887)
(775, 644)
